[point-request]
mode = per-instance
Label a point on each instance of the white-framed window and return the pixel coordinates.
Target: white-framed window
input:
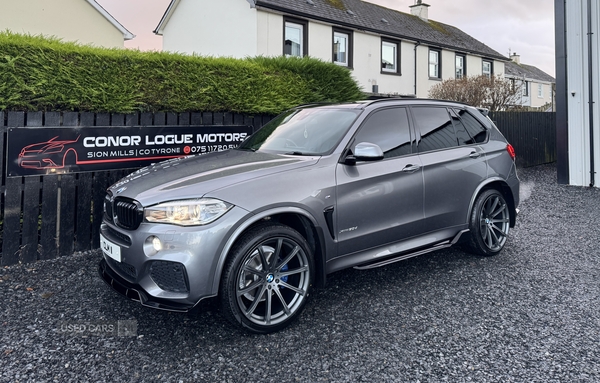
(540, 90)
(486, 68)
(461, 69)
(390, 57)
(526, 88)
(294, 40)
(434, 64)
(342, 47)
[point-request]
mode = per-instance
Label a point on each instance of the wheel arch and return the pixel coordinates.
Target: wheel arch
(296, 218)
(500, 185)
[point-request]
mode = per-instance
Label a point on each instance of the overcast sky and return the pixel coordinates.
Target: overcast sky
(522, 26)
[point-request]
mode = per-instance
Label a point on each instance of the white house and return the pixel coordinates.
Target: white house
(388, 51)
(82, 21)
(535, 88)
(578, 91)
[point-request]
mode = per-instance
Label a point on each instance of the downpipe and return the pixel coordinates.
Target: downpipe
(416, 46)
(591, 92)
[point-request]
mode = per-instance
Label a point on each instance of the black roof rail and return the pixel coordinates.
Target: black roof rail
(388, 97)
(317, 104)
(375, 100)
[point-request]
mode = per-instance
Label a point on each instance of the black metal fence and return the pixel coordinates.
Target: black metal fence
(44, 217)
(533, 135)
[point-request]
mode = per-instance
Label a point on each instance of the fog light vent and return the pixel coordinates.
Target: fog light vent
(170, 276)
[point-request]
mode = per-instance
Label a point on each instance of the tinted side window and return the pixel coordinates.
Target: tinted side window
(461, 132)
(436, 128)
(476, 130)
(389, 129)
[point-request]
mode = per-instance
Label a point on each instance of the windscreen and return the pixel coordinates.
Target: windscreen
(311, 131)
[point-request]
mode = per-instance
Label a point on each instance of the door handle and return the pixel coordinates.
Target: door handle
(411, 168)
(475, 155)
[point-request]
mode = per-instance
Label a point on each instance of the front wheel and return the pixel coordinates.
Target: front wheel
(267, 278)
(489, 224)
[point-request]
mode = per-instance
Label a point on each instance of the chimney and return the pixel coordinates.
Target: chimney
(420, 9)
(515, 58)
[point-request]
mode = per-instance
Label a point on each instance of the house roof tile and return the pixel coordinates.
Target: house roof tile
(368, 16)
(529, 72)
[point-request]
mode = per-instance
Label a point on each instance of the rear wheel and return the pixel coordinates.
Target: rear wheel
(267, 278)
(489, 224)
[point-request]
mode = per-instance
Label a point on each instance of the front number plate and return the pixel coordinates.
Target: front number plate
(110, 249)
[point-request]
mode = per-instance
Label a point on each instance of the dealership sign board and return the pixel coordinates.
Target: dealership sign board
(56, 150)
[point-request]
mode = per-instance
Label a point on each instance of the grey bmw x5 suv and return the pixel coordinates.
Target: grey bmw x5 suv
(318, 189)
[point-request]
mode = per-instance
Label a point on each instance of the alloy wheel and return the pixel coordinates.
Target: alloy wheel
(273, 281)
(494, 222)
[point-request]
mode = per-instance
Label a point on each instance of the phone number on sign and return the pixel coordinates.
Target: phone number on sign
(207, 148)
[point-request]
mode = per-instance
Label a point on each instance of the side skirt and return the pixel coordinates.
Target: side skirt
(402, 257)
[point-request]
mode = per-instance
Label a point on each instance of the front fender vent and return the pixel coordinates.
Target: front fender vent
(328, 213)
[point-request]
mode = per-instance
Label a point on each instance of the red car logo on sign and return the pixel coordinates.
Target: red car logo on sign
(52, 154)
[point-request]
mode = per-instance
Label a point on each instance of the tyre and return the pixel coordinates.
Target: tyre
(267, 278)
(489, 224)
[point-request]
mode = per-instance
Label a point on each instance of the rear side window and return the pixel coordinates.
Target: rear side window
(476, 130)
(437, 131)
(389, 129)
(464, 138)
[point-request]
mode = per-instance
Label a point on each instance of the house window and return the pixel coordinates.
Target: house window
(435, 64)
(486, 68)
(390, 56)
(540, 91)
(342, 47)
(461, 67)
(295, 38)
(525, 88)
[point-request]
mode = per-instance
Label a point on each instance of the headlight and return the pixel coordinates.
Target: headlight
(190, 212)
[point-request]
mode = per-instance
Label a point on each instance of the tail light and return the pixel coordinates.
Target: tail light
(511, 151)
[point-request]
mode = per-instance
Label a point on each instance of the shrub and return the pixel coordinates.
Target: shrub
(494, 93)
(42, 74)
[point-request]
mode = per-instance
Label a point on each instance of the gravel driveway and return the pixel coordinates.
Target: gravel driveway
(530, 314)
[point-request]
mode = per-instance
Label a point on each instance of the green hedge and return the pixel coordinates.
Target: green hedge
(42, 74)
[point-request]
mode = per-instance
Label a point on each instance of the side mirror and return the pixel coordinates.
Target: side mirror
(365, 151)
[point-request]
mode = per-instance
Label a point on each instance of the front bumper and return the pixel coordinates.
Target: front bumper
(136, 292)
(179, 276)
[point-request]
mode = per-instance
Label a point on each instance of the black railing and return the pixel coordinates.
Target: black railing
(533, 135)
